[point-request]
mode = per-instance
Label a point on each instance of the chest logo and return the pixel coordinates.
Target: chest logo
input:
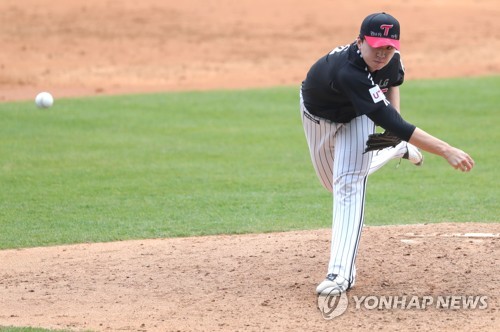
(383, 85)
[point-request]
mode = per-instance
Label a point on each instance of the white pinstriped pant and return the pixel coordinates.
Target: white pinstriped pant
(336, 151)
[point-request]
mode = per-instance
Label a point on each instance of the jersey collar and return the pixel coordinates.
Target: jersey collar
(355, 57)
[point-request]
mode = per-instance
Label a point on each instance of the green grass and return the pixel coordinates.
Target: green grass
(197, 163)
(463, 113)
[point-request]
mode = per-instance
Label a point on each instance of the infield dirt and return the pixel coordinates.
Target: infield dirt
(256, 282)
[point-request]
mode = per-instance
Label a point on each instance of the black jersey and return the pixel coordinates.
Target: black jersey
(339, 87)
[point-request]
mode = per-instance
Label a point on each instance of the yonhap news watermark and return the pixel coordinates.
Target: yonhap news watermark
(453, 302)
(334, 305)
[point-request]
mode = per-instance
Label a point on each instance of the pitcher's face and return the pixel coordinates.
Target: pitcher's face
(375, 58)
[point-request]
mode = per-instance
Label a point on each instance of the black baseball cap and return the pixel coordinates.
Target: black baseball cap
(380, 29)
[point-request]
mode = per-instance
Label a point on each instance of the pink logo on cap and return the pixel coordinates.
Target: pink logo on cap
(386, 28)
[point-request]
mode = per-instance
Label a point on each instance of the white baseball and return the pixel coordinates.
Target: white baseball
(44, 100)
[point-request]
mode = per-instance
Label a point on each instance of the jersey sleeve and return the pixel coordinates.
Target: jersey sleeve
(392, 121)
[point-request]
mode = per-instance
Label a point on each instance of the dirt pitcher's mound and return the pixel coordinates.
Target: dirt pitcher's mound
(261, 282)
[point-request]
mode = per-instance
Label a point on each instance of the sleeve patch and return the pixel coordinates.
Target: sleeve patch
(377, 94)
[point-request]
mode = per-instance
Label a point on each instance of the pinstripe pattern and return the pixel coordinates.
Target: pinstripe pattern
(336, 151)
(350, 173)
(320, 135)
